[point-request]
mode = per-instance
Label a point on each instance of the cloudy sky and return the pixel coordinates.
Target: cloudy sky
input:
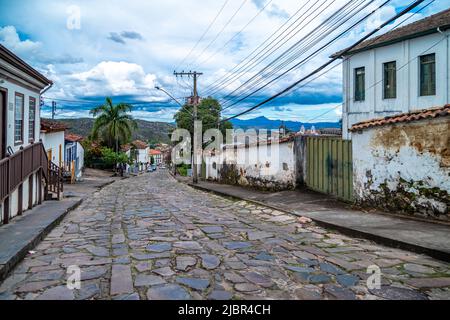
(123, 49)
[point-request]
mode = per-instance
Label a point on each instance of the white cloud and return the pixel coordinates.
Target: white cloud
(10, 39)
(115, 78)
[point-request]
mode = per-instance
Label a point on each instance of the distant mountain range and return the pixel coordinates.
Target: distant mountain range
(264, 123)
(158, 131)
(147, 130)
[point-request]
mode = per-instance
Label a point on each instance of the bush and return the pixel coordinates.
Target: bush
(110, 158)
(182, 169)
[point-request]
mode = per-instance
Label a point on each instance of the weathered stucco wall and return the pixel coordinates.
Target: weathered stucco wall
(404, 167)
(267, 167)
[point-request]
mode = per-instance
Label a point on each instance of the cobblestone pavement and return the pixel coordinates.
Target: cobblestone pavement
(150, 237)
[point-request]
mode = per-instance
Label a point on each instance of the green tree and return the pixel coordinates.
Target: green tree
(113, 123)
(208, 112)
(152, 160)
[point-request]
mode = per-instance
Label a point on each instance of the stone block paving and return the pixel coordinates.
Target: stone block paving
(150, 237)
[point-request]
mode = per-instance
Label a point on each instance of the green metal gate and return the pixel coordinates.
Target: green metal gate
(329, 166)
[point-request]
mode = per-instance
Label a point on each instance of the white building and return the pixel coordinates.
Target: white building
(138, 151)
(141, 149)
(74, 156)
(52, 135)
(157, 156)
(403, 70)
(23, 166)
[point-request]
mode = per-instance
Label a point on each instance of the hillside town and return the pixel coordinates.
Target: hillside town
(355, 210)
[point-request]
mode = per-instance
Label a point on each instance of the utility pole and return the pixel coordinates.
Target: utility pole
(194, 102)
(53, 109)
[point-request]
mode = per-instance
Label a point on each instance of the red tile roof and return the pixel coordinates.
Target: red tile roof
(125, 147)
(419, 28)
(404, 117)
(154, 152)
(139, 144)
(52, 126)
(72, 137)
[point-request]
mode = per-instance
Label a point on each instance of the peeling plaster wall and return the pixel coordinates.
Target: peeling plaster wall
(267, 167)
(404, 167)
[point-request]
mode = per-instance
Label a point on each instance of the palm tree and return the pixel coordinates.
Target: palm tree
(113, 122)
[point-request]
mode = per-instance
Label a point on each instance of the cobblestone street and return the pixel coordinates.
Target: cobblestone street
(150, 237)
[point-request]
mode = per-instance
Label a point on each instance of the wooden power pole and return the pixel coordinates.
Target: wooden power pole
(194, 102)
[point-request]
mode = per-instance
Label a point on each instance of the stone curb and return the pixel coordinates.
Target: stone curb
(434, 253)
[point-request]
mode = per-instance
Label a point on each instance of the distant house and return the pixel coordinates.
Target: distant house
(401, 71)
(74, 155)
(157, 155)
(52, 135)
(23, 164)
(139, 153)
(141, 149)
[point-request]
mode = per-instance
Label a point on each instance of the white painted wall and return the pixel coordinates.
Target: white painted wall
(13, 206)
(143, 155)
(406, 55)
(378, 160)
(12, 89)
(271, 166)
(52, 140)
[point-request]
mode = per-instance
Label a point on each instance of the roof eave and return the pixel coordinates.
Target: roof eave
(340, 54)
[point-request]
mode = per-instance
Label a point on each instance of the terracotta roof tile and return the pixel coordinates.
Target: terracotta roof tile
(73, 137)
(139, 144)
(404, 117)
(154, 152)
(421, 27)
(52, 126)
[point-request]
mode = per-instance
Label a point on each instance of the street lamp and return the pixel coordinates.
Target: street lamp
(161, 89)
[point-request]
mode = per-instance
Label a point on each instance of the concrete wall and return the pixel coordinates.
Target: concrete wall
(271, 167)
(404, 167)
(406, 55)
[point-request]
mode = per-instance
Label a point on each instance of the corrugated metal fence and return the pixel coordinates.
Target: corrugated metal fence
(329, 166)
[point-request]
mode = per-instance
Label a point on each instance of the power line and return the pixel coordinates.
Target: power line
(291, 56)
(242, 67)
(203, 35)
(238, 33)
(394, 27)
(397, 25)
(312, 55)
(404, 11)
(220, 32)
(100, 102)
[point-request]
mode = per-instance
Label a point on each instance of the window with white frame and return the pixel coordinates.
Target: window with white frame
(32, 119)
(18, 118)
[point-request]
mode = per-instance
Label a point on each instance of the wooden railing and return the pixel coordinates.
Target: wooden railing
(16, 169)
(55, 179)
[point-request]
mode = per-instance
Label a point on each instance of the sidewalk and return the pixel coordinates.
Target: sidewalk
(25, 232)
(422, 237)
